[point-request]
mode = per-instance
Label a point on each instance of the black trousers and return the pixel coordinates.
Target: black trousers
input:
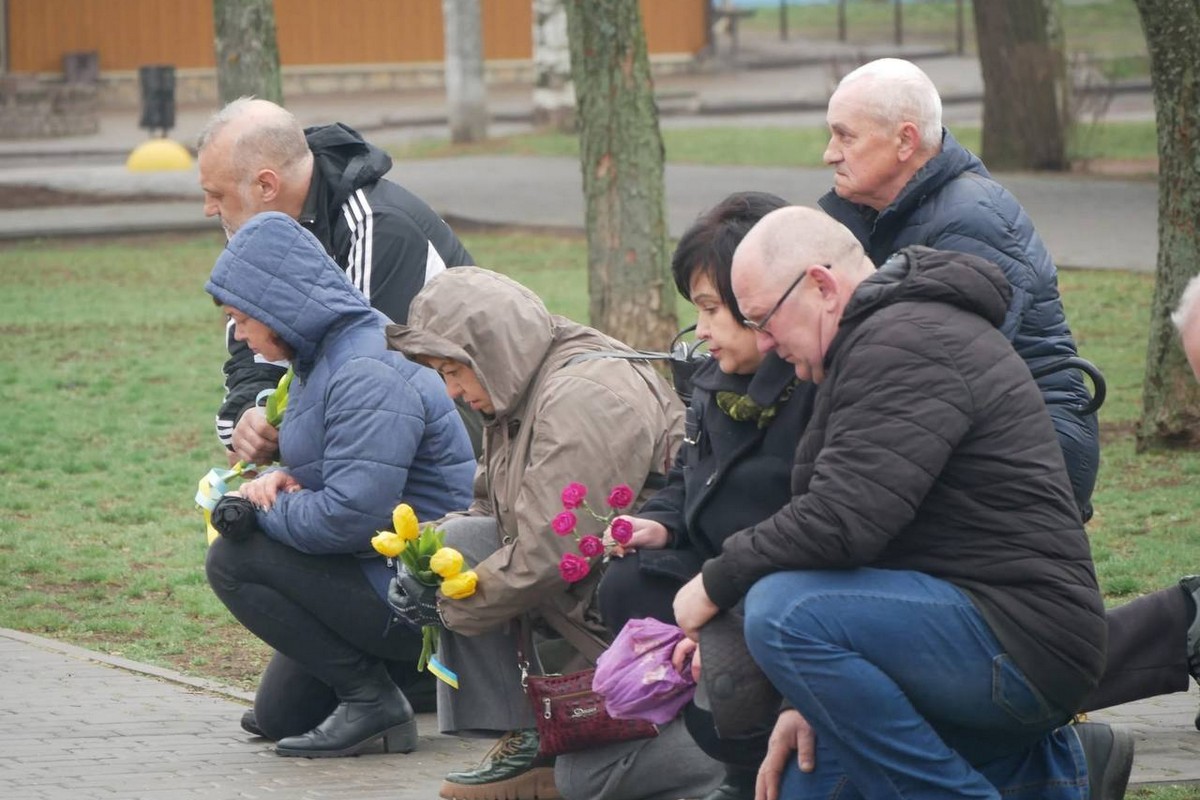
(329, 627)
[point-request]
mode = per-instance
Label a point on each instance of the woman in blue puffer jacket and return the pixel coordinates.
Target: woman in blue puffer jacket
(365, 429)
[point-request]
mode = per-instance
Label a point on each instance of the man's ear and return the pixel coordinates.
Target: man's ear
(909, 141)
(267, 185)
(825, 281)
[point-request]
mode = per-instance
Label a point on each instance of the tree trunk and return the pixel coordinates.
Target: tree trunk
(553, 91)
(631, 295)
(1170, 396)
(466, 93)
(247, 54)
(1025, 88)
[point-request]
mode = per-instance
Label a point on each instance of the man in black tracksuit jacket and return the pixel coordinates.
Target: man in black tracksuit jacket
(255, 157)
(926, 601)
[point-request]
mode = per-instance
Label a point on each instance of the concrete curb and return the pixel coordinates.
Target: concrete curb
(135, 667)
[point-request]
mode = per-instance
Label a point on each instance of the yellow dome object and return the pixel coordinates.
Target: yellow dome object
(159, 155)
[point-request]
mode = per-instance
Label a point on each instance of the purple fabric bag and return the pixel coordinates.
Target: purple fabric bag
(635, 675)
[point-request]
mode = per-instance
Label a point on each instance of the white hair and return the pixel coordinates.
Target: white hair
(266, 135)
(1188, 301)
(900, 91)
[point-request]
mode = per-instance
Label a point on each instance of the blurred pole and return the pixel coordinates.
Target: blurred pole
(841, 15)
(899, 22)
(783, 31)
(960, 37)
(466, 93)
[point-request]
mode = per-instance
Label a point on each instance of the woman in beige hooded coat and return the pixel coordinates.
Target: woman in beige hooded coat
(555, 412)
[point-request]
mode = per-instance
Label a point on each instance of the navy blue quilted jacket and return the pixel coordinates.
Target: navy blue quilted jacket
(953, 203)
(365, 428)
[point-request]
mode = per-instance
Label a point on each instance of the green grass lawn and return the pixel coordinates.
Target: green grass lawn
(780, 146)
(1107, 30)
(110, 371)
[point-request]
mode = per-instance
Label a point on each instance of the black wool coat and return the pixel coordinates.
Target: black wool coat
(728, 475)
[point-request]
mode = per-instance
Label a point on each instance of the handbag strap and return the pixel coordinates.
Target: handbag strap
(524, 645)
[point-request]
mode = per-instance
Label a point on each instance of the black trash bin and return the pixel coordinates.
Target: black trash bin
(158, 97)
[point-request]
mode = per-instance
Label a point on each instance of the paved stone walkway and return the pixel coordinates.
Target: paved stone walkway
(77, 725)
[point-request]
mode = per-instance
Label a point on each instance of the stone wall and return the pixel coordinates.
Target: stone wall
(119, 89)
(35, 109)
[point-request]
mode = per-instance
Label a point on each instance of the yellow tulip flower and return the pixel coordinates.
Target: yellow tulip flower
(446, 562)
(404, 520)
(387, 543)
(460, 586)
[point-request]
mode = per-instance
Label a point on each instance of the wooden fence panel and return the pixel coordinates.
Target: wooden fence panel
(130, 33)
(126, 33)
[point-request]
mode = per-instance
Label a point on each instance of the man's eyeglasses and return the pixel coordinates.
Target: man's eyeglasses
(761, 325)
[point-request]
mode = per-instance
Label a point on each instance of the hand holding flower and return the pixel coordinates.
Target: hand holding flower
(575, 566)
(636, 533)
(423, 564)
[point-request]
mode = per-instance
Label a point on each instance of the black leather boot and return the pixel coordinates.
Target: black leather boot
(372, 709)
(738, 785)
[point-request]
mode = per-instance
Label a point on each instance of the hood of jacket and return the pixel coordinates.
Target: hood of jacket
(921, 274)
(345, 162)
(276, 272)
(480, 318)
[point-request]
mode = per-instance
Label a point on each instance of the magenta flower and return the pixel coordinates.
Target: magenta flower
(563, 523)
(622, 530)
(574, 495)
(621, 496)
(573, 568)
(591, 546)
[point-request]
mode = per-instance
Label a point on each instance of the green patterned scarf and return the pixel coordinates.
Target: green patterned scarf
(742, 409)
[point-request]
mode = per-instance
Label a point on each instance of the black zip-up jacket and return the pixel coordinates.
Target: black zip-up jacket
(388, 240)
(930, 449)
(728, 474)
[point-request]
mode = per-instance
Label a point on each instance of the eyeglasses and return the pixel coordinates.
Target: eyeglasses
(761, 325)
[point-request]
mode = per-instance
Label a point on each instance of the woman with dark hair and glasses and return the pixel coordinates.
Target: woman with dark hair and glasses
(732, 471)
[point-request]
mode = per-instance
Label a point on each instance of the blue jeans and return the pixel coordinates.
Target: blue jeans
(907, 690)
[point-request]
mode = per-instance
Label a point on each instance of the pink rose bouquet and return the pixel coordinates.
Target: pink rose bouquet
(575, 567)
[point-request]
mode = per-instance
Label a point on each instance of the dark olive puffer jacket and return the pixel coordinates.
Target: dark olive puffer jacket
(930, 449)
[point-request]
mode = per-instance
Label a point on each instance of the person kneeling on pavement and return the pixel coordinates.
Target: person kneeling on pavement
(554, 413)
(364, 429)
(926, 601)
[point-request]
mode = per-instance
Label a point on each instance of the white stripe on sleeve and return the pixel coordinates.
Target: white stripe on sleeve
(433, 263)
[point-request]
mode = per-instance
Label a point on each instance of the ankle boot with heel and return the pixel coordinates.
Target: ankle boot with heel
(371, 710)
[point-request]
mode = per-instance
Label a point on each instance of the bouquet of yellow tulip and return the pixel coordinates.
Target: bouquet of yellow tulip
(423, 553)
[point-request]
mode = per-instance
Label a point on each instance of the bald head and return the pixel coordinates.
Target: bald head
(258, 133)
(789, 239)
(898, 91)
(253, 157)
(793, 275)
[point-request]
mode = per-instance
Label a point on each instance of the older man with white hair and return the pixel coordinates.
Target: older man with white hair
(900, 178)
(926, 601)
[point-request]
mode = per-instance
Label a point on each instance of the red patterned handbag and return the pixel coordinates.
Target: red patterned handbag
(571, 717)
